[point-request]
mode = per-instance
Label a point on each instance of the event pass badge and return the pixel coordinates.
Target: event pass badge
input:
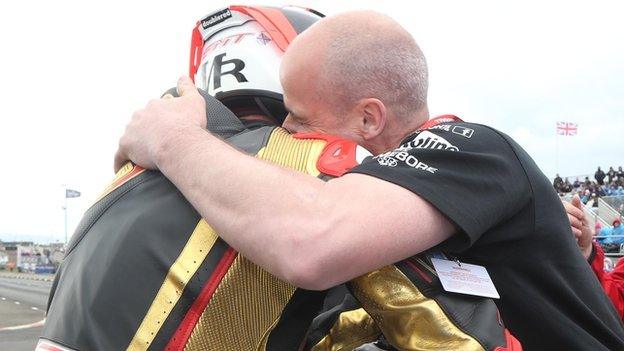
(464, 278)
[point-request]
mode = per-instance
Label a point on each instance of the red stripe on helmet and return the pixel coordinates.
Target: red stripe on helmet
(183, 333)
(197, 47)
(277, 26)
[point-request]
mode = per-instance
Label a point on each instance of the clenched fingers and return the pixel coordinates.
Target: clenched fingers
(574, 211)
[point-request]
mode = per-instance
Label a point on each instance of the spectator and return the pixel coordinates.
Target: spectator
(612, 237)
(557, 183)
(587, 182)
(617, 227)
(600, 176)
(577, 183)
(586, 196)
(611, 174)
(620, 175)
(613, 282)
(604, 190)
(593, 201)
(612, 189)
(567, 187)
(617, 232)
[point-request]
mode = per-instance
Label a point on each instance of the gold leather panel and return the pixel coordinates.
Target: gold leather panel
(249, 301)
(352, 329)
(245, 305)
(201, 241)
(126, 169)
(298, 154)
(408, 319)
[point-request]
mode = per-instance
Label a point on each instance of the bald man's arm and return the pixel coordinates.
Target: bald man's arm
(311, 233)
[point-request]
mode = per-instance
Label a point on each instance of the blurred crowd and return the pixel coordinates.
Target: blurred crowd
(610, 183)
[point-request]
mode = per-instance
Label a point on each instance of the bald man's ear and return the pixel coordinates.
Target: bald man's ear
(373, 117)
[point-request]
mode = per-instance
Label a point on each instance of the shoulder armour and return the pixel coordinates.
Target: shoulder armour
(338, 156)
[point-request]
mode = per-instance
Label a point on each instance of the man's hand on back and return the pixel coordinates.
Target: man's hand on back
(160, 124)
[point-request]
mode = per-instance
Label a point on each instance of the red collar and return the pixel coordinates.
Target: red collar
(440, 119)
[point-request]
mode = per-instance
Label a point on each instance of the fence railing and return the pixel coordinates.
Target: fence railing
(607, 212)
(607, 236)
(612, 254)
(616, 202)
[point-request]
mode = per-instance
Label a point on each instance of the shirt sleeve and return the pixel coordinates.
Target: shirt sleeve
(469, 172)
(596, 261)
(613, 282)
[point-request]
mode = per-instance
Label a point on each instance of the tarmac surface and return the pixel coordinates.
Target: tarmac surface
(23, 300)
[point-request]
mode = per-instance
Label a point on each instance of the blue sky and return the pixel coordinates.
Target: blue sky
(74, 72)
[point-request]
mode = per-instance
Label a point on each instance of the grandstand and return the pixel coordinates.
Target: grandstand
(602, 204)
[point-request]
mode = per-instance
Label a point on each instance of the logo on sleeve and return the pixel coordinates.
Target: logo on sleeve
(423, 140)
(463, 131)
(459, 130)
(444, 127)
(428, 140)
(392, 159)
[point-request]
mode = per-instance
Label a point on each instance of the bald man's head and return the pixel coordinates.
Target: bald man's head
(362, 54)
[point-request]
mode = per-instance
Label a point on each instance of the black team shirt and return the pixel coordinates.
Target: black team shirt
(512, 222)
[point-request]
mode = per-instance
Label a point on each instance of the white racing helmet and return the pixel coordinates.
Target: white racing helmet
(236, 53)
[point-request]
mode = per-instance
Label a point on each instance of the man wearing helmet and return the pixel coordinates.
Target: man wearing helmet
(143, 271)
(361, 76)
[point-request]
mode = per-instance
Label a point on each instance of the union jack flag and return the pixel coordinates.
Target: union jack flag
(567, 128)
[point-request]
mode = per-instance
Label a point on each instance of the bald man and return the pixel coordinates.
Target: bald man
(465, 189)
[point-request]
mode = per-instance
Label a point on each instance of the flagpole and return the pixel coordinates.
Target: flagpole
(65, 208)
(556, 152)
(69, 193)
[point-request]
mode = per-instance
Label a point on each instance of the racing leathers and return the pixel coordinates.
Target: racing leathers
(144, 271)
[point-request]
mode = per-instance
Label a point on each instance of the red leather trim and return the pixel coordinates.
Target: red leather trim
(47, 347)
(417, 270)
(273, 21)
(512, 343)
(337, 157)
(180, 337)
(197, 47)
(133, 173)
(136, 170)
